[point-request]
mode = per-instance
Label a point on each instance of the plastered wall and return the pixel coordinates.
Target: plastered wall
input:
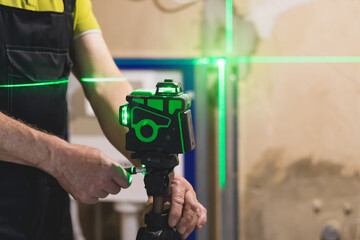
(299, 148)
(150, 29)
(299, 131)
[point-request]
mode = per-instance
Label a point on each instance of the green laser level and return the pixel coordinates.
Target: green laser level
(158, 120)
(160, 127)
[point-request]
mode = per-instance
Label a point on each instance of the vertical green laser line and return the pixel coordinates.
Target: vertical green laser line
(222, 122)
(229, 27)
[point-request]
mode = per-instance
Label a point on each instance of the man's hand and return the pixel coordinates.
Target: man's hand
(88, 174)
(186, 212)
(85, 172)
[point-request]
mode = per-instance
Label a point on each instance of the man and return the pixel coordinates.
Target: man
(36, 42)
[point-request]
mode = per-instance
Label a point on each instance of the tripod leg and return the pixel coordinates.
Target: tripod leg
(157, 228)
(158, 205)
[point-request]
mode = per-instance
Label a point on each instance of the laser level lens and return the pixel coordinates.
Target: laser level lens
(124, 115)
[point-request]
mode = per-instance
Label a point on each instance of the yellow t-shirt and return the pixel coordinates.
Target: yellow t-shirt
(84, 19)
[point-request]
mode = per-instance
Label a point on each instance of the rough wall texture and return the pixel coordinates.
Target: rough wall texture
(156, 29)
(300, 122)
(299, 201)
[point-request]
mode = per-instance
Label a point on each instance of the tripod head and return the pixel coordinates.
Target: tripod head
(160, 127)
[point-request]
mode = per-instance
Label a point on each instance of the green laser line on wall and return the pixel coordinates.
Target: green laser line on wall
(222, 121)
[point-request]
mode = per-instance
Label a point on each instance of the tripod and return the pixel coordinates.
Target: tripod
(157, 181)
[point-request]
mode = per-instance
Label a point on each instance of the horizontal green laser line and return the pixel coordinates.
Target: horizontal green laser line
(33, 84)
(279, 59)
(297, 59)
(103, 79)
(63, 81)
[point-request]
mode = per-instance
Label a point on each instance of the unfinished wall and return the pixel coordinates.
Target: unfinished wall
(300, 122)
(155, 29)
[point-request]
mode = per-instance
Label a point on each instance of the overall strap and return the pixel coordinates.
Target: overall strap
(69, 5)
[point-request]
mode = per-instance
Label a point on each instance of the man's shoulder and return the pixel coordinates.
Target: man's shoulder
(36, 5)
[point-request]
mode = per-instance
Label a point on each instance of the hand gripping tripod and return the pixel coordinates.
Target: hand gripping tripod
(160, 127)
(157, 183)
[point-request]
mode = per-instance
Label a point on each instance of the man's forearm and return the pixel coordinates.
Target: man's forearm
(22, 144)
(84, 172)
(106, 98)
(92, 59)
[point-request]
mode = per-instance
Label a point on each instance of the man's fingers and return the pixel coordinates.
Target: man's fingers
(187, 222)
(102, 194)
(189, 230)
(86, 199)
(202, 217)
(121, 177)
(92, 200)
(190, 214)
(112, 188)
(177, 202)
(191, 201)
(186, 212)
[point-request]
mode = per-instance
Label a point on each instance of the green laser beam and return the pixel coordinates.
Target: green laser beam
(33, 84)
(295, 59)
(62, 81)
(222, 121)
(279, 59)
(103, 79)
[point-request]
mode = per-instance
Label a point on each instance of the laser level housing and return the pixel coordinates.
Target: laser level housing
(158, 120)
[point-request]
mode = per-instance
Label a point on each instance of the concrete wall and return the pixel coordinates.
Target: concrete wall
(300, 122)
(299, 133)
(155, 29)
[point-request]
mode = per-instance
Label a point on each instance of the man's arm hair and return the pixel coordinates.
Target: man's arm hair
(84, 172)
(22, 144)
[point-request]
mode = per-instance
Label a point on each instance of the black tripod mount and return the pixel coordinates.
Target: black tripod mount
(160, 173)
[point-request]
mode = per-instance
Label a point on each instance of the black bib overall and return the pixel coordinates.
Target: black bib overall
(34, 66)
